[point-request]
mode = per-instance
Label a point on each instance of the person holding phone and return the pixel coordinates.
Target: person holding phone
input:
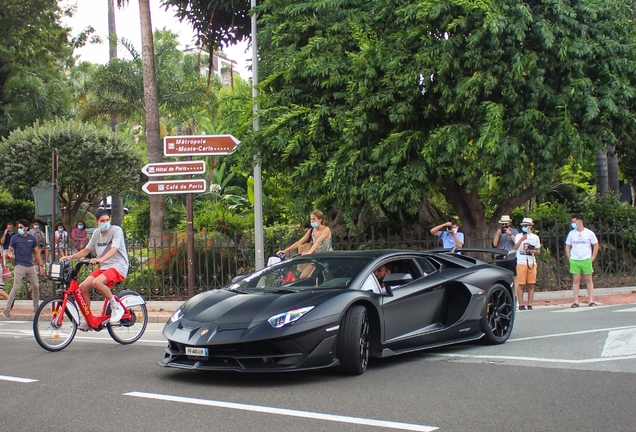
(449, 233)
(527, 245)
(504, 239)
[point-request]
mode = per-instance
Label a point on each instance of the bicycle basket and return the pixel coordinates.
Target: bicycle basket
(58, 271)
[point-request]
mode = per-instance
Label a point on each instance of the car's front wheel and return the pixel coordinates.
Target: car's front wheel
(498, 316)
(354, 341)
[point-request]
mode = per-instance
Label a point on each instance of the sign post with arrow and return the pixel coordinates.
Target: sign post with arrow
(187, 146)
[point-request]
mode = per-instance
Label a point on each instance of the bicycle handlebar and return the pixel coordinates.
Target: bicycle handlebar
(78, 266)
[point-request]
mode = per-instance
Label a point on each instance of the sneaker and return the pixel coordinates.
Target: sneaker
(84, 326)
(529, 307)
(116, 312)
(522, 308)
(6, 314)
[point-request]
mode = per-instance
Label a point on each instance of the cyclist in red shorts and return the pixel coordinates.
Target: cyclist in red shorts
(109, 246)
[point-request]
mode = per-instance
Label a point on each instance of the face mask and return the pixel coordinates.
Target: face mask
(524, 229)
(104, 226)
(455, 230)
(574, 225)
(36, 226)
(60, 229)
(314, 224)
(80, 226)
(21, 231)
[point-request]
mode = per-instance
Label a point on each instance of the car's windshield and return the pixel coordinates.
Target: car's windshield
(303, 274)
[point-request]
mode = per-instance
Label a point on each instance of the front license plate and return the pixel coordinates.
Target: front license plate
(196, 352)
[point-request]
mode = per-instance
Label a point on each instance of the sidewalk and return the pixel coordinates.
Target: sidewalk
(160, 311)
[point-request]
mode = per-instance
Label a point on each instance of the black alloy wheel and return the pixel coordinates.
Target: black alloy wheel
(354, 341)
(498, 316)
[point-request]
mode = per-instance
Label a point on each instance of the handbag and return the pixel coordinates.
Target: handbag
(6, 273)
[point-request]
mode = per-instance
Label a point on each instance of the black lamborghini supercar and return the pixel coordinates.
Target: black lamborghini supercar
(329, 309)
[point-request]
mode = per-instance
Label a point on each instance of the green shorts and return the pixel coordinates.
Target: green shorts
(581, 266)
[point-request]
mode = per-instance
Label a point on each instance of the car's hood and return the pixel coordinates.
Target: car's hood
(227, 307)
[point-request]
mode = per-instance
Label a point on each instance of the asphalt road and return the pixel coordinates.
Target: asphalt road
(563, 369)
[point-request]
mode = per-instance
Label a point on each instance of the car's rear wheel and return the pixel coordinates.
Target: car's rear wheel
(498, 316)
(354, 341)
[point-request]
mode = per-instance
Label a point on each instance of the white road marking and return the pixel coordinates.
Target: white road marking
(538, 359)
(16, 332)
(570, 333)
(286, 412)
(620, 343)
(626, 310)
(17, 379)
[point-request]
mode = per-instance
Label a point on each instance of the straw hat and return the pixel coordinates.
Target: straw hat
(527, 221)
(505, 219)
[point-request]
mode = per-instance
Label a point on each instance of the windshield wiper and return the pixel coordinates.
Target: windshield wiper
(238, 290)
(283, 291)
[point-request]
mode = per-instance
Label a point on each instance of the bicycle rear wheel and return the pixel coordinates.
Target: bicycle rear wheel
(129, 331)
(48, 333)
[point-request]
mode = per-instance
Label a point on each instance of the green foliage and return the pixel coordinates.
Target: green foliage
(610, 211)
(218, 217)
(546, 213)
(34, 49)
(137, 223)
(92, 161)
(217, 23)
(369, 103)
(13, 209)
(116, 89)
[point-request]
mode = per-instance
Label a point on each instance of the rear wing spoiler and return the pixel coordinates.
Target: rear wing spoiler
(499, 255)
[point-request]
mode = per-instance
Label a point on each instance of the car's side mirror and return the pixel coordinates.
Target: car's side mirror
(395, 280)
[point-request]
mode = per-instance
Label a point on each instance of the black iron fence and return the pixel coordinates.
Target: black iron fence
(160, 271)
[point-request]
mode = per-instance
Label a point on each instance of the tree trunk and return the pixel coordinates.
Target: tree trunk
(153, 135)
(612, 169)
(601, 171)
(472, 215)
(112, 31)
(117, 202)
(428, 213)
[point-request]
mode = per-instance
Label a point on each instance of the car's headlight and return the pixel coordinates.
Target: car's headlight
(176, 316)
(280, 320)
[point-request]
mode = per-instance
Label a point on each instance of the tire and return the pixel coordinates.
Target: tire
(129, 331)
(354, 341)
(48, 335)
(498, 316)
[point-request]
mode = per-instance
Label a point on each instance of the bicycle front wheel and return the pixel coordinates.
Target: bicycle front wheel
(129, 331)
(48, 333)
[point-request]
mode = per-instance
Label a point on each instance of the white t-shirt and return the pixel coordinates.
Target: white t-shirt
(581, 242)
(523, 255)
(101, 242)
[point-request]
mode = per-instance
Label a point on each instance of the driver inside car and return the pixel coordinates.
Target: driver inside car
(380, 273)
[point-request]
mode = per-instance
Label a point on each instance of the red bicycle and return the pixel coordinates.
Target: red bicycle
(56, 320)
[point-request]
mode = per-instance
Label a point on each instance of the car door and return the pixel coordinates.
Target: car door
(413, 309)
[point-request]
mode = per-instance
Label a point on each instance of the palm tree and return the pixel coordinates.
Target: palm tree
(117, 202)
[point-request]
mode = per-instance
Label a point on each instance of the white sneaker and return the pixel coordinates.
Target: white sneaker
(116, 312)
(84, 326)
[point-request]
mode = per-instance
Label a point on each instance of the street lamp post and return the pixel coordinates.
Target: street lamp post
(258, 182)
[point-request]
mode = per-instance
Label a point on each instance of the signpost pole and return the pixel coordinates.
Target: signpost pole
(259, 244)
(190, 234)
(54, 201)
